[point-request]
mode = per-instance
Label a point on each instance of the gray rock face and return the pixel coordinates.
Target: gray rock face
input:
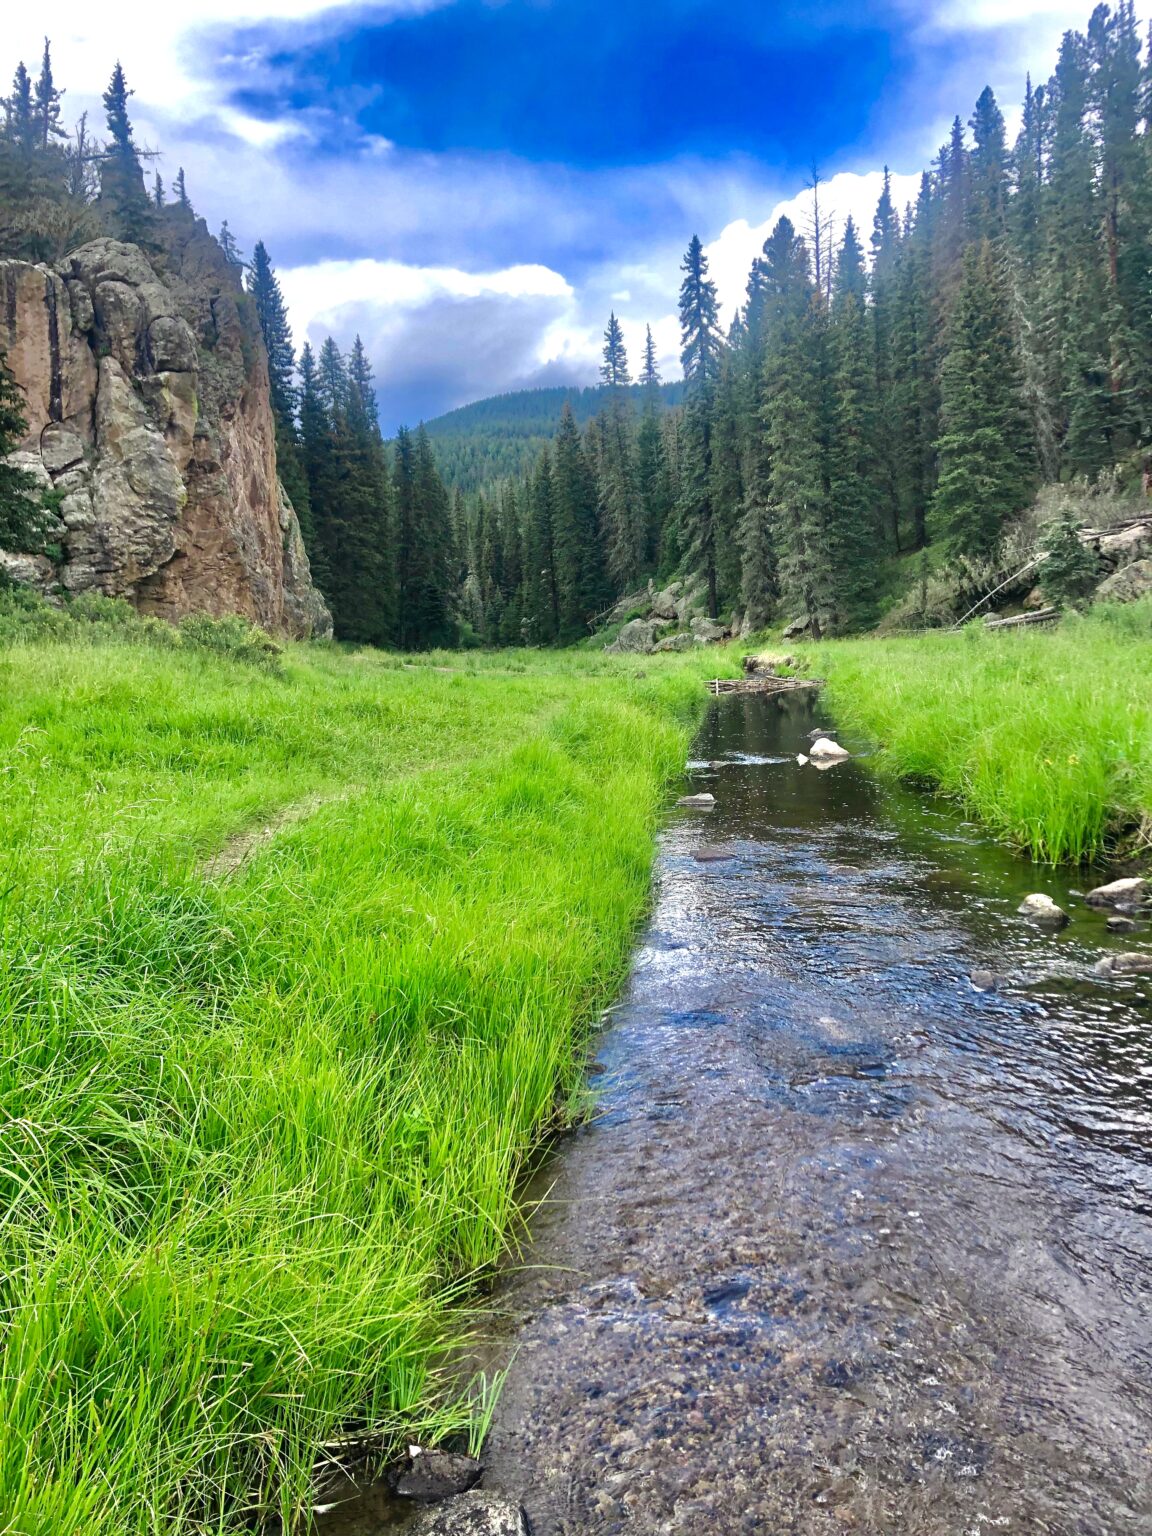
(1128, 584)
(637, 638)
(473, 1514)
(148, 407)
(1042, 909)
(1118, 893)
(680, 642)
(708, 631)
(797, 627)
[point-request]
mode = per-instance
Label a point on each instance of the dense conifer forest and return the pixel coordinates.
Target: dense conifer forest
(881, 394)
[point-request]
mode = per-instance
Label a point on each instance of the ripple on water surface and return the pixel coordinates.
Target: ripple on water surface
(852, 1245)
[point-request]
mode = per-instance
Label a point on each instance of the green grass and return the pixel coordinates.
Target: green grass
(260, 1130)
(1045, 735)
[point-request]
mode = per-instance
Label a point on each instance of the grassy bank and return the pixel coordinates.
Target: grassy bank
(1046, 736)
(265, 1094)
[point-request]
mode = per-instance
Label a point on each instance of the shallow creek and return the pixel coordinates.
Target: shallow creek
(850, 1246)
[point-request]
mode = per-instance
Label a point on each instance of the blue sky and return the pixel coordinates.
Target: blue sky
(473, 184)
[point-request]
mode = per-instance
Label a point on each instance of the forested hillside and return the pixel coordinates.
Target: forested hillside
(900, 391)
(906, 389)
(503, 437)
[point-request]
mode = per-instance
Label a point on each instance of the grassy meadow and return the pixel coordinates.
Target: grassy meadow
(265, 1094)
(1045, 735)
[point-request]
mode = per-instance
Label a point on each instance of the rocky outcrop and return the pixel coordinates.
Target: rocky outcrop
(1128, 584)
(636, 638)
(150, 425)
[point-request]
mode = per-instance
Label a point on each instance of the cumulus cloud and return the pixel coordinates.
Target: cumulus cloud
(469, 273)
(438, 336)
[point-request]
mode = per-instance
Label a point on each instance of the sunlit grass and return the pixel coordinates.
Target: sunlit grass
(1045, 735)
(259, 1130)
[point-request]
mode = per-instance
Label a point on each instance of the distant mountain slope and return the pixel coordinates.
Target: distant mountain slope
(503, 435)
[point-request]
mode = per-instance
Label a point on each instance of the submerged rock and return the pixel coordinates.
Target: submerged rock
(434, 1475)
(988, 981)
(1117, 893)
(473, 1514)
(1118, 924)
(825, 750)
(701, 802)
(713, 853)
(1131, 963)
(1042, 909)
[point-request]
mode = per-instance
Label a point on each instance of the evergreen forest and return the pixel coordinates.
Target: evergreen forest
(885, 402)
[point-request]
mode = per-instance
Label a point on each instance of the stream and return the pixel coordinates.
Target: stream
(850, 1245)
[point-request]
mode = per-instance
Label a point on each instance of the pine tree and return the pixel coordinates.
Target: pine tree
(232, 254)
(19, 115)
(180, 187)
(852, 463)
(614, 372)
(272, 313)
(987, 466)
(158, 190)
(988, 164)
(81, 182)
(122, 194)
(46, 106)
(701, 347)
(542, 594)
(651, 474)
(581, 589)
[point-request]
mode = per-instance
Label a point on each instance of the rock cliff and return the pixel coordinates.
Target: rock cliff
(149, 423)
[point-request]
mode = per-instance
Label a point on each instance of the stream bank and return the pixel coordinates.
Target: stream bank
(851, 1244)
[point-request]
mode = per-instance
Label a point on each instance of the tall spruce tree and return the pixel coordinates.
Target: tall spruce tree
(123, 199)
(700, 353)
(987, 462)
(581, 589)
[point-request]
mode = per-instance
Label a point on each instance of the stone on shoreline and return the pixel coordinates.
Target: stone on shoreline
(432, 1475)
(473, 1514)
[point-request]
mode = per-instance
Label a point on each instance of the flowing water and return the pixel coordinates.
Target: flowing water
(850, 1246)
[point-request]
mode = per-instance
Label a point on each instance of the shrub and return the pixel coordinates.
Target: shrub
(234, 637)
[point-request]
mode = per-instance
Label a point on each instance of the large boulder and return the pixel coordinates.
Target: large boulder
(637, 638)
(1128, 584)
(1133, 963)
(708, 631)
(664, 604)
(681, 642)
(150, 420)
(473, 1514)
(1127, 546)
(797, 627)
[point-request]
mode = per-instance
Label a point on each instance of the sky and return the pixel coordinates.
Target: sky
(473, 185)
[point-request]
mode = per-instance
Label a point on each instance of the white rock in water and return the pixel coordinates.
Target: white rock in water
(698, 800)
(1120, 891)
(1133, 963)
(801, 759)
(1042, 909)
(826, 748)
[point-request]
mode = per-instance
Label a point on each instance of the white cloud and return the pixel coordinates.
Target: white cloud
(152, 40)
(849, 193)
